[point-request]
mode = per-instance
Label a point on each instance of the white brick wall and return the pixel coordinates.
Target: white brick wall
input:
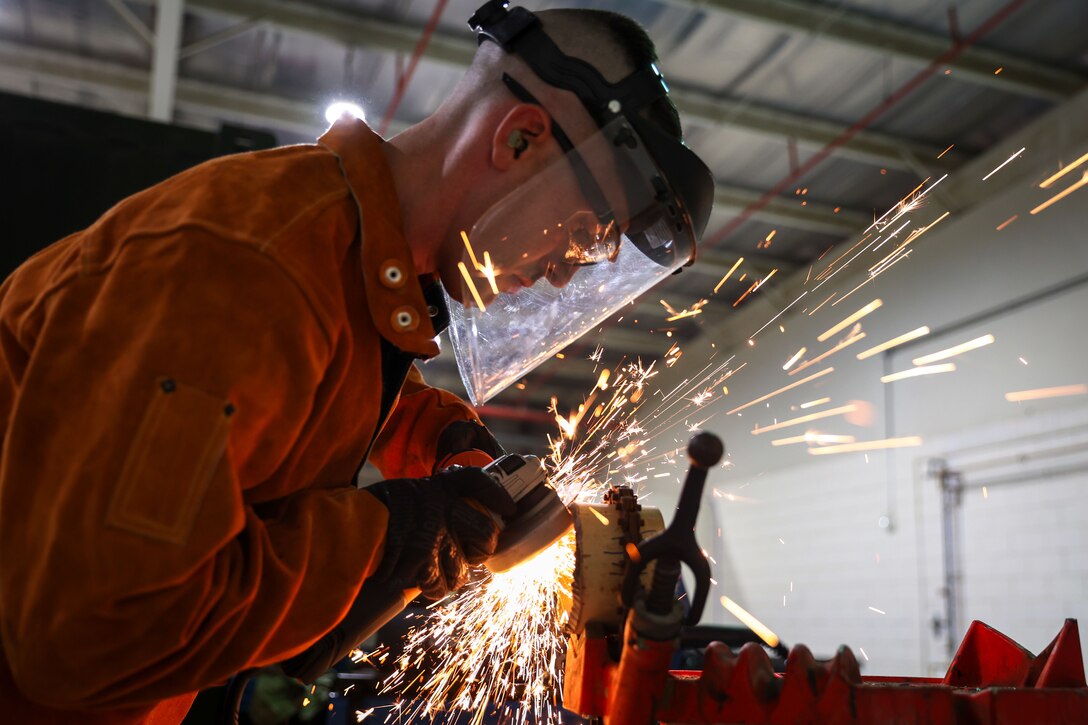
(1024, 548)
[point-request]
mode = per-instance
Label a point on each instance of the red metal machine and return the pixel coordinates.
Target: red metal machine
(619, 652)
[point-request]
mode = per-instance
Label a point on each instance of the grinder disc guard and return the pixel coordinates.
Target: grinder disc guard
(541, 520)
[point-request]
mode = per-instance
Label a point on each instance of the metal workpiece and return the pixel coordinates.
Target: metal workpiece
(602, 533)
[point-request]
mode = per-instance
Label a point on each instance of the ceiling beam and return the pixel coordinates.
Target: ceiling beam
(869, 147)
(458, 49)
(887, 36)
(788, 212)
(261, 109)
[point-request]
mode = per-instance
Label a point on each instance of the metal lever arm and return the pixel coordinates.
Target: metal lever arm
(677, 544)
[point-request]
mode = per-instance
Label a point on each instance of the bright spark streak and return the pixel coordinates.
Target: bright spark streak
(841, 410)
(471, 285)
(863, 653)
(893, 235)
(956, 350)
(599, 515)
(1040, 393)
(867, 309)
(945, 151)
(750, 289)
(796, 356)
(916, 372)
(488, 270)
(682, 315)
(824, 439)
(791, 386)
(820, 358)
(894, 342)
(790, 441)
(468, 246)
(1002, 164)
(907, 442)
(602, 381)
(762, 630)
(1058, 197)
(879, 266)
(822, 303)
(778, 315)
(760, 283)
(728, 275)
(835, 261)
(814, 437)
(1007, 222)
(700, 399)
(814, 403)
(878, 611)
(1059, 174)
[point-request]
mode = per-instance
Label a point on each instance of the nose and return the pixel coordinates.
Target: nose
(559, 274)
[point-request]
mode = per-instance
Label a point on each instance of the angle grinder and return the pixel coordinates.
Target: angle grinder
(541, 517)
(540, 521)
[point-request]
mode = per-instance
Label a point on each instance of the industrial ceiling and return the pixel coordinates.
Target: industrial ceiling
(813, 115)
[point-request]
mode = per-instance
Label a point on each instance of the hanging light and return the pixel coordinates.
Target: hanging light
(339, 108)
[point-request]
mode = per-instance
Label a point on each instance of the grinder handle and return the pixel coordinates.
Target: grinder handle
(375, 605)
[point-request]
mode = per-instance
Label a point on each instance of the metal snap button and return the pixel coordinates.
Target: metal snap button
(391, 274)
(405, 319)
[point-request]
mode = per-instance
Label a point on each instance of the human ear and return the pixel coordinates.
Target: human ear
(519, 135)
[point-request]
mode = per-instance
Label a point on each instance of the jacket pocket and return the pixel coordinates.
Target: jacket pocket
(180, 442)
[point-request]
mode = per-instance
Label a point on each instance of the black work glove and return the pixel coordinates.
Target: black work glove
(434, 533)
(461, 436)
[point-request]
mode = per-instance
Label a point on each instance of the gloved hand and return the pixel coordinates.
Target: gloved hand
(461, 436)
(434, 533)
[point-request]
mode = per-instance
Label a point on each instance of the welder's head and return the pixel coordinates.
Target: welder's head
(588, 195)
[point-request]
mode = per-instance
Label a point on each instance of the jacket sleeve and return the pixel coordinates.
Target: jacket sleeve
(407, 444)
(153, 391)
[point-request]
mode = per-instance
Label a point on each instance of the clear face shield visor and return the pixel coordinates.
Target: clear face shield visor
(562, 253)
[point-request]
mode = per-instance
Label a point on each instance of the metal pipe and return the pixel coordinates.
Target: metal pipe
(951, 497)
(404, 80)
(509, 412)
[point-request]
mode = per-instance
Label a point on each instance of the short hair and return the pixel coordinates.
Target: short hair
(627, 38)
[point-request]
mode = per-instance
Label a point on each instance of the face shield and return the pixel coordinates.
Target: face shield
(563, 252)
(560, 254)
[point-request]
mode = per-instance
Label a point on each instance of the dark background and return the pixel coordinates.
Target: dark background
(63, 166)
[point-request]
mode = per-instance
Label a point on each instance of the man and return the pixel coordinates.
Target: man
(190, 385)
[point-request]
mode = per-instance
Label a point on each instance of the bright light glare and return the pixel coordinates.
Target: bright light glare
(339, 108)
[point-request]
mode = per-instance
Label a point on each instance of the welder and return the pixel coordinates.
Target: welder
(190, 386)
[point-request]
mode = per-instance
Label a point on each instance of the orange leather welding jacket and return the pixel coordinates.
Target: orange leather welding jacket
(187, 389)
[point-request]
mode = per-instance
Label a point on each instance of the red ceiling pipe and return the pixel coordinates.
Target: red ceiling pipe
(404, 80)
(509, 412)
(867, 120)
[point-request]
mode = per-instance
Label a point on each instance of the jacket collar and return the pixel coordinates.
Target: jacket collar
(393, 291)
